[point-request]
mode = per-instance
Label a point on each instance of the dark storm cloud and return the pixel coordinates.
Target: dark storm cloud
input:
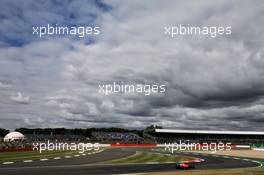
(211, 83)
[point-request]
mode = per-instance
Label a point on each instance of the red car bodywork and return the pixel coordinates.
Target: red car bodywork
(184, 166)
(188, 164)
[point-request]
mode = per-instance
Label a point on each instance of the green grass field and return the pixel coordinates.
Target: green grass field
(145, 157)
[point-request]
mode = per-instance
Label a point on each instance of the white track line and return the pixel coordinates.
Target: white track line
(26, 161)
(6, 163)
(67, 157)
(43, 159)
(56, 158)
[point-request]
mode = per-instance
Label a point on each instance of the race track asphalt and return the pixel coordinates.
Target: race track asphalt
(86, 165)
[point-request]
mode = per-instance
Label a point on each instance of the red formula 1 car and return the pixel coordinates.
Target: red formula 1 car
(184, 166)
(188, 164)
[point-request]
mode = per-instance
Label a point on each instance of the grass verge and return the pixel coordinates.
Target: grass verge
(145, 157)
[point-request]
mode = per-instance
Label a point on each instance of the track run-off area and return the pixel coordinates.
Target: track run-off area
(122, 160)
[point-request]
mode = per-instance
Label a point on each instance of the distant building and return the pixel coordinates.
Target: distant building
(200, 136)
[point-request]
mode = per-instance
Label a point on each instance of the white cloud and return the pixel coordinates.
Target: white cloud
(19, 98)
(198, 71)
(4, 85)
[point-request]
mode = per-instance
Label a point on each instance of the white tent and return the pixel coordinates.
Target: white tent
(14, 136)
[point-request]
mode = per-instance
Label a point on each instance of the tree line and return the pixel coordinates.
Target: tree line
(3, 132)
(77, 131)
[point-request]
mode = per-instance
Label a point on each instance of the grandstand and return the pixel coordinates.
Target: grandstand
(55, 138)
(121, 137)
(201, 136)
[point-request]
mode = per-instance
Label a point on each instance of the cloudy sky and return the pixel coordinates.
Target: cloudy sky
(212, 83)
